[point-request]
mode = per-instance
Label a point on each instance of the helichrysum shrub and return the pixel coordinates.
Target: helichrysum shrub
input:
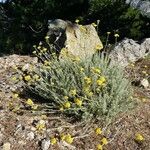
(80, 88)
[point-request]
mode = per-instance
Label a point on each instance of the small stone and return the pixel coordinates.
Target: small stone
(45, 144)
(30, 136)
(22, 142)
(145, 83)
(33, 129)
(6, 146)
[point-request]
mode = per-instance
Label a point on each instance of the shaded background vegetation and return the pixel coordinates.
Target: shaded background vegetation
(24, 22)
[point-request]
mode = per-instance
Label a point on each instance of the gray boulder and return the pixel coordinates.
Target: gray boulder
(128, 51)
(77, 40)
(142, 5)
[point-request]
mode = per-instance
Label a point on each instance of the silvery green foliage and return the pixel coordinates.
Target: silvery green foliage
(64, 75)
(142, 5)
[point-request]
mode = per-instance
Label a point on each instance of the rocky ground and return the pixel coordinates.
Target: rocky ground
(19, 128)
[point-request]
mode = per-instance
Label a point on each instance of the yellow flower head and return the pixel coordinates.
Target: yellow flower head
(116, 35)
(34, 46)
(34, 52)
(47, 37)
(61, 108)
(62, 137)
(67, 105)
(15, 95)
(86, 90)
(53, 140)
(81, 69)
(94, 24)
(98, 131)
(77, 21)
(46, 63)
(36, 77)
(90, 94)
(83, 28)
(99, 147)
(73, 92)
(69, 139)
(101, 81)
(104, 141)
(29, 102)
(66, 97)
(39, 47)
(34, 107)
(13, 78)
(139, 137)
(99, 47)
(78, 102)
(27, 78)
(44, 49)
(108, 33)
(87, 80)
(41, 125)
(96, 70)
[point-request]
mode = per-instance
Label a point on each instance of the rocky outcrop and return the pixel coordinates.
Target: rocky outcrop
(78, 40)
(128, 51)
(142, 5)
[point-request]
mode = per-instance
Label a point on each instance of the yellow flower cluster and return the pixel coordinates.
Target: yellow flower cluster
(64, 137)
(41, 126)
(67, 104)
(78, 102)
(73, 92)
(101, 81)
(99, 47)
(139, 137)
(15, 95)
(27, 78)
(53, 140)
(98, 131)
(67, 138)
(94, 24)
(116, 35)
(31, 104)
(87, 80)
(96, 70)
(103, 141)
(77, 21)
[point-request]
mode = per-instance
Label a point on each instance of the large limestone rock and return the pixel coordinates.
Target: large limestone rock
(128, 51)
(142, 5)
(78, 40)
